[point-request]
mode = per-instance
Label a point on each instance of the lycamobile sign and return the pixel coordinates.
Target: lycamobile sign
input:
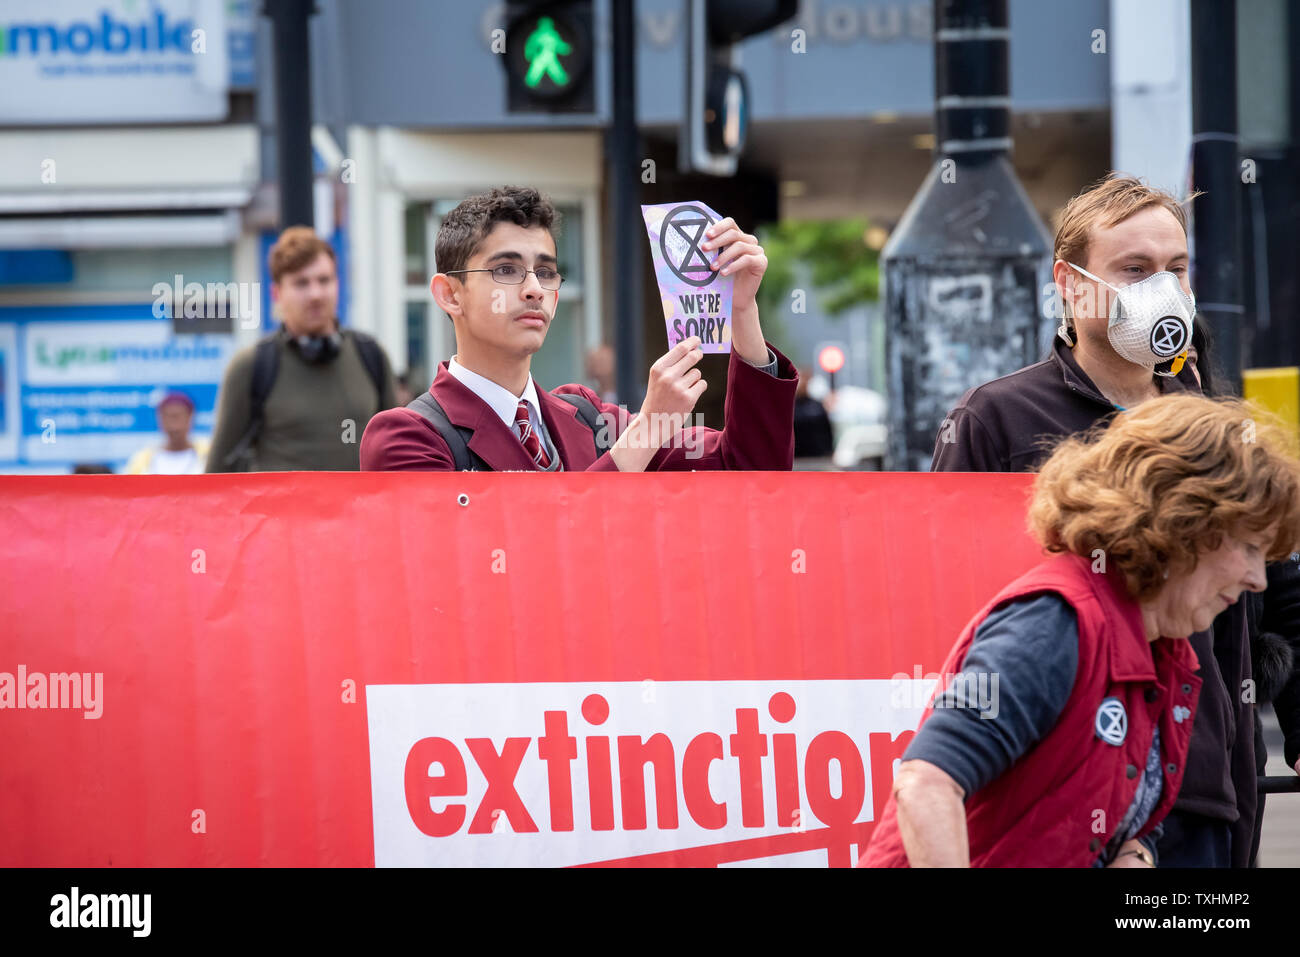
(61, 357)
(157, 34)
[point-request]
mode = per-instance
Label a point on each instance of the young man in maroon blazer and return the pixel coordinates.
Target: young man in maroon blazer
(500, 286)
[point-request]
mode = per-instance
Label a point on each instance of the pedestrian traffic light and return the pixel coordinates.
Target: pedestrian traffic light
(716, 116)
(548, 57)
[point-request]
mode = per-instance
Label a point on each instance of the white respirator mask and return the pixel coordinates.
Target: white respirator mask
(1150, 321)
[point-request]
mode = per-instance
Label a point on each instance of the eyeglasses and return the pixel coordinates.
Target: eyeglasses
(513, 275)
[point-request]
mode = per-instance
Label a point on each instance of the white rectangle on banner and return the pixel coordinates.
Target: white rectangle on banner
(719, 762)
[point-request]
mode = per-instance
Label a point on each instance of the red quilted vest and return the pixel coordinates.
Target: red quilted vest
(1059, 805)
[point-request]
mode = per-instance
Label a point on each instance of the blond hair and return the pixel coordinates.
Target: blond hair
(1165, 483)
(1104, 204)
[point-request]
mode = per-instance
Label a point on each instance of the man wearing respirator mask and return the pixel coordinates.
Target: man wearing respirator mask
(1121, 272)
(1150, 321)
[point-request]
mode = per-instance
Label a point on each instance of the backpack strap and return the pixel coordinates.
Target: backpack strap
(371, 357)
(457, 438)
(588, 413)
(266, 366)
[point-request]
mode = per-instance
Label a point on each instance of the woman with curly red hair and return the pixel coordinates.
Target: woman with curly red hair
(1154, 526)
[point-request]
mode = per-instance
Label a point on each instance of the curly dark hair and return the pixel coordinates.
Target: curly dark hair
(465, 227)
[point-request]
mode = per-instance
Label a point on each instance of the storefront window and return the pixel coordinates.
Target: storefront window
(419, 374)
(417, 252)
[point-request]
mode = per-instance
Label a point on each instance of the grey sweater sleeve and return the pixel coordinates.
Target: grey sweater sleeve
(1014, 683)
(769, 367)
(234, 409)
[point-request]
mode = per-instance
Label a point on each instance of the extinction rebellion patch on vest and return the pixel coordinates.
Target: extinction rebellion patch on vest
(1112, 722)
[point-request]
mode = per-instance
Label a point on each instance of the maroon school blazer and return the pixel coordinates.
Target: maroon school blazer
(758, 435)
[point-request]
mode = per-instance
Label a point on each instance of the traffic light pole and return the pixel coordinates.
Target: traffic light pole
(623, 153)
(1215, 148)
(292, 109)
(965, 269)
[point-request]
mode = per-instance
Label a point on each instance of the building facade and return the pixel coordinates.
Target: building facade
(137, 146)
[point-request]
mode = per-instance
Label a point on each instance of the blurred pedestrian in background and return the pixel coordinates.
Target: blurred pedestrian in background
(301, 398)
(599, 366)
(813, 437)
(403, 392)
(178, 454)
(1157, 524)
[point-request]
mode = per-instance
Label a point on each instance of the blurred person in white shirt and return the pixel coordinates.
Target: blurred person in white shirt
(178, 455)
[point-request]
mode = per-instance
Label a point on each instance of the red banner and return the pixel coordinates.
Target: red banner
(305, 669)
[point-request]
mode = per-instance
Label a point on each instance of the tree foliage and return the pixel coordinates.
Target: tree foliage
(845, 271)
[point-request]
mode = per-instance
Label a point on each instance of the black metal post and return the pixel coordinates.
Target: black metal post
(1283, 784)
(292, 108)
(1216, 274)
(624, 159)
(972, 84)
(965, 269)
(1288, 293)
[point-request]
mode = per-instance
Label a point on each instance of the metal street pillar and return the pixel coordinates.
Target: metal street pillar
(966, 267)
(292, 108)
(1216, 276)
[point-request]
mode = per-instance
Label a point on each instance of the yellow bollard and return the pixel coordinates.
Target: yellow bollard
(1277, 390)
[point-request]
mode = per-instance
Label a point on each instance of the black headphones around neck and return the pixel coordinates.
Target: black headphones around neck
(318, 349)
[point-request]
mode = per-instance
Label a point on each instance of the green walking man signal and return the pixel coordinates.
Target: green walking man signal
(543, 50)
(548, 57)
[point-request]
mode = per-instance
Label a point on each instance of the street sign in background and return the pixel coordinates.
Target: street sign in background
(81, 382)
(115, 61)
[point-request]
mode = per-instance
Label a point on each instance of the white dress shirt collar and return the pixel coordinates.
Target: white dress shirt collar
(501, 400)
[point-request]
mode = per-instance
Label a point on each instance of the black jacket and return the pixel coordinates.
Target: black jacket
(1278, 611)
(1011, 425)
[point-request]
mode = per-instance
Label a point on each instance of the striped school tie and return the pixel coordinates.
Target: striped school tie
(532, 442)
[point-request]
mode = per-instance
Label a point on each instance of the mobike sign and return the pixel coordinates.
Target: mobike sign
(490, 669)
(113, 61)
